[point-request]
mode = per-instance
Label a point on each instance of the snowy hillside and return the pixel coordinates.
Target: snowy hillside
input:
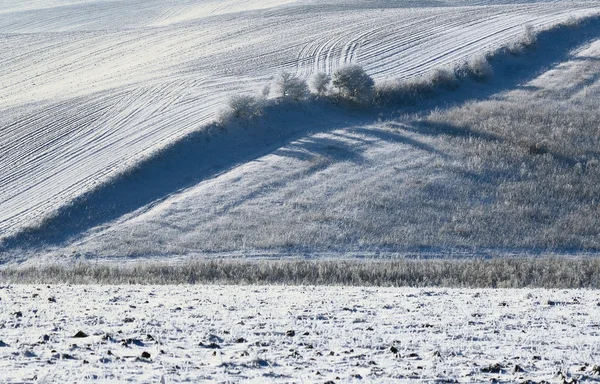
(90, 88)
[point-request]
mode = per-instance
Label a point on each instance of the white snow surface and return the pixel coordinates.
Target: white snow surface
(89, 88)
(296, 334)
(346, 182)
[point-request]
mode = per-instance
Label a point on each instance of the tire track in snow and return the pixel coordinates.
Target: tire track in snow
(388, 48)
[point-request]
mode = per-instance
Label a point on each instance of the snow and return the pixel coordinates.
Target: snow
(332, 183)
(344, 334)
(90, 88)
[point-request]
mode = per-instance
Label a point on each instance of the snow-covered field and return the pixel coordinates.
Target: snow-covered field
(296, 334)
(88, 88)
(112, 100)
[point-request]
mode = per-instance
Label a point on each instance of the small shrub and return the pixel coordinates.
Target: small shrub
(402, 92)
(529, 37)
(479, 69)
(353, 82)
(287, 85)
(527, 40)
(241, 107)
(407, 92)
(444, 78)
(319, 83)
(386, 92)
(265, 91)
(571, 22)
(514, 48)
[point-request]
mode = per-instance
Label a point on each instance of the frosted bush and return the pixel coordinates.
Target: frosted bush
(388, 92)
(480, 69)
(444, 78)
(402, 92)
(319, 83)
(265, 91)
(410, 91)
(527, 40)
(529, 37)
(240, 107)
(287, 85)
(353, 82)
(571, 22)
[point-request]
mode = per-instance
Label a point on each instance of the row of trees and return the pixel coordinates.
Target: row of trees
(350, 82)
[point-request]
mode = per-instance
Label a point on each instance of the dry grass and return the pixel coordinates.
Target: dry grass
(517, 272)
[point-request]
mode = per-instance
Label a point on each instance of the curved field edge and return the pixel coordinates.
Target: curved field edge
(498, 272)
(200, 155)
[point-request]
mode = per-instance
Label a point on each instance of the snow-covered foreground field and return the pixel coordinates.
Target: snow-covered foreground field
(88, 88)
(296, 334)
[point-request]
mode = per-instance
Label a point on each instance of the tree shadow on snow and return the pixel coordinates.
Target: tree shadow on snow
(199, 156)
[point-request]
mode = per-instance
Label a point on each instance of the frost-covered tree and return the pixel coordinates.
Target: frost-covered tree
(319, 83)
(529, 37)
(526, 41)
(444, 78)
(353, 82)
(480, 69)
(288, 85)
(240, 107)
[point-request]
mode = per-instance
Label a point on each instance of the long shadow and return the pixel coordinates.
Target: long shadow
(344, 146)
(201, 155)
(436, 129)
(398, 138)
(331, 149)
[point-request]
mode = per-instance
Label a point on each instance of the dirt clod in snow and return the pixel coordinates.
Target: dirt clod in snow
(518, 369)
(494, 368)
(136, 342)
(210, 346)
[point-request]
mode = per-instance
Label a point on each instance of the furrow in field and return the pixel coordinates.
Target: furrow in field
(116, 131)
(390, 48)
(103, 136)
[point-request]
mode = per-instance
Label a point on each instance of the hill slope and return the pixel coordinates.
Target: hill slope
(88, 98)
(514, 173)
